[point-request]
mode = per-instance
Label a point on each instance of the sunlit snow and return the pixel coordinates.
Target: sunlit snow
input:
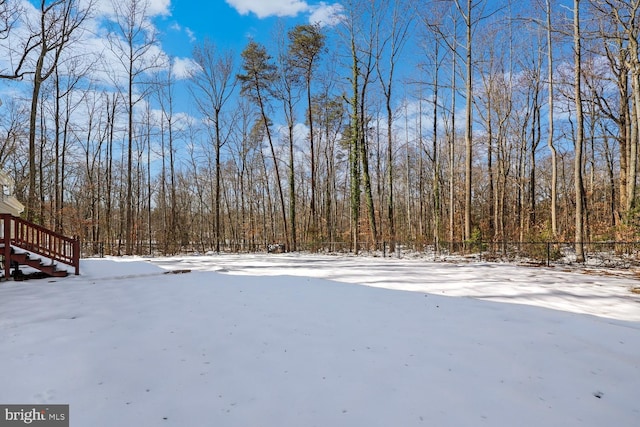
(267, 340)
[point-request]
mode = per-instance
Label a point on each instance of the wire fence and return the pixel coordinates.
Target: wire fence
(598, 254)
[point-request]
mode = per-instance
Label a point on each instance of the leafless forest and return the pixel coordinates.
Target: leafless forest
(405, 122)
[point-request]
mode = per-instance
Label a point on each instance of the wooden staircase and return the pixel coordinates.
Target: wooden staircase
(25, 243)
(47, 270)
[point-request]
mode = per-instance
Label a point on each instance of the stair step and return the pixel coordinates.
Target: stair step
(47, 269)
(20, 258)
(51, 270)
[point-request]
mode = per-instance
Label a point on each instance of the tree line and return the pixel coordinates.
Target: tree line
(402, 122)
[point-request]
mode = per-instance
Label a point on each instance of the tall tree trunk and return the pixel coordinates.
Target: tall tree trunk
(390, 180)
(436, 159)
(536, 131)
(312, 149)
(552, 148)
(354, 152)
(33, 115)
(635, 136)
(128, 231)
(56, 176)
(292, 191)
(366, 176)
(623, 131)
(149, 201)
(218, 178)
(276, 168)
(363, 145)
(173, 224)
(611, 175)
(111, 123)
(490, 168)
(579, 143)
(452, 147)
(468, 131)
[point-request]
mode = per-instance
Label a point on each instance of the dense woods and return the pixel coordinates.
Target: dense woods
(405, 122)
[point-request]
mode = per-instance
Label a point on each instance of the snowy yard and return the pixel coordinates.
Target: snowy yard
(267, 340)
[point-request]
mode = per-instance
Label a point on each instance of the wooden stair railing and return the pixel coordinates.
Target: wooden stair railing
(34, 238)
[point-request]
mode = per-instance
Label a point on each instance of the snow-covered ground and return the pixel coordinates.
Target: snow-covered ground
(267, 340)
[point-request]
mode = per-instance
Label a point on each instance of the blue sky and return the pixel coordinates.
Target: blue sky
(230, 23)
(181, 25)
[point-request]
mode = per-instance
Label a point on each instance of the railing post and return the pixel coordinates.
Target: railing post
(76, 254)
(6, 229)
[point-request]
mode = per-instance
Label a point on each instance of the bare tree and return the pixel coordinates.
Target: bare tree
(58, 23)
(165, 88)
(10, 13)
(95, 132)
(613, 46)
(68, 98)
(466, 13)
(625, 17)
(495, 109)
(213, 84)
(365, 20)
(391, 43)
(133, 42)
(13, 127)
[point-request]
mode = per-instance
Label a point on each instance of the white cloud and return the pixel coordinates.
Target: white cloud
(190, 34)
(321, 13)
(326, 14)
(186, 30)
(265, 8)
(184, 68)
(159, 7)
(154, 7)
